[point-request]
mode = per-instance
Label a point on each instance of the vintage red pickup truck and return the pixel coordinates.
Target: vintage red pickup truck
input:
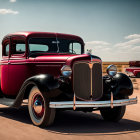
(52, 72)
(134, 69)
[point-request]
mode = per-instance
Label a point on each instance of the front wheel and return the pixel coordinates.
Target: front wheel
(113, 114)
(38, 106)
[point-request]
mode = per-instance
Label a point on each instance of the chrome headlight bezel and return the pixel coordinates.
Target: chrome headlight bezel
(66, 71)
(111, 70)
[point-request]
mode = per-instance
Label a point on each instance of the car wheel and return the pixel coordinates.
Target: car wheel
(138, 75)
(38, 106)
(113, 114)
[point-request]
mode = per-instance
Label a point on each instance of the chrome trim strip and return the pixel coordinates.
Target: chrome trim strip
(38, 64)
(17, 58)
(47, 65)
(47, 62)
(18, 63)
(96, 104)
(3, 63)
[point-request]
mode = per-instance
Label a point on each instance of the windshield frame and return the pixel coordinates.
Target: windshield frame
(57, 52)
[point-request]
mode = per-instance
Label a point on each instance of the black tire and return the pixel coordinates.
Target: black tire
(138, 75)
(113, 114)
(38, 106)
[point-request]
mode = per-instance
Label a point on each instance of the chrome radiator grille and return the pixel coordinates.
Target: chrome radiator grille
(87, 80)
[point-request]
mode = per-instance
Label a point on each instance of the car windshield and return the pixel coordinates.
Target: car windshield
(54, 45)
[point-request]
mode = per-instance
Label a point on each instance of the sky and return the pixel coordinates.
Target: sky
(111, 28)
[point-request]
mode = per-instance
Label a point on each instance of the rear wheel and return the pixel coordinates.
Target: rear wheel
(38, 106)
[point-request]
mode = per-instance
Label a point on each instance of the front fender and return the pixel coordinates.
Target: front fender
(45, 83)
(124, 86)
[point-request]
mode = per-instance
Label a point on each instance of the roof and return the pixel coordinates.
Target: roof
(27, 33)
(45, 34)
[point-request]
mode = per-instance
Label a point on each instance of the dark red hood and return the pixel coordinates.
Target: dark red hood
(65, 58)
(82, 57)
(53, 58)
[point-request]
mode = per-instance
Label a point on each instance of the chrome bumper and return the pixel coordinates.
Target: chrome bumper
(93, 104)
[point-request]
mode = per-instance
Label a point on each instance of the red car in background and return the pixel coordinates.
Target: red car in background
(134, 69)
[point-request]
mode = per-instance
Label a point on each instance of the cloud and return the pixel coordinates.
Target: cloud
(12, 1)
(98, 47)
(8, 11)
(134, 36)
(106, 49)
(123, 51)
(98, 43)
(136, 48)
(130, 49)
(128, 43)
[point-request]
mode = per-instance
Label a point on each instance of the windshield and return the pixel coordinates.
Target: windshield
(54, 45)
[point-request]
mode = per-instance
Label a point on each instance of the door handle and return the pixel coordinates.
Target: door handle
(9, 63)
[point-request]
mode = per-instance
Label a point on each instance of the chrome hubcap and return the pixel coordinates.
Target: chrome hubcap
(38, 106)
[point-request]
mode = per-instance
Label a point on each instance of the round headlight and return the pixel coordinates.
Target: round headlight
(111, 70)
(66, 71)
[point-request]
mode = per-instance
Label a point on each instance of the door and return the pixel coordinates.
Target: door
(17, 65)
(4, 65)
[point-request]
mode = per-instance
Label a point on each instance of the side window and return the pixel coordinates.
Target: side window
(75, 48)
(38, 47)
(18, 46)
(6, 50)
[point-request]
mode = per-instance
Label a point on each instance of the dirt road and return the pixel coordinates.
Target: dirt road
(69, 125)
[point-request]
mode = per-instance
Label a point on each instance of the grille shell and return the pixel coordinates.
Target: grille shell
(87, 80)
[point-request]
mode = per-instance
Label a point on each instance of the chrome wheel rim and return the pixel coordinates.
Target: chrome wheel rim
(39, 111)
(38, 106)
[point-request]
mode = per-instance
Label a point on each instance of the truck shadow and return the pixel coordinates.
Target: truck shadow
(20, 114)
(70, 122)
(76, 123)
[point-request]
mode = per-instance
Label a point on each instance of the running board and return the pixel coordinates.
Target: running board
(10, 102)
(7, 101)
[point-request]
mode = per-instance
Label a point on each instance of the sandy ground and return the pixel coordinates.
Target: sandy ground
(16, 124)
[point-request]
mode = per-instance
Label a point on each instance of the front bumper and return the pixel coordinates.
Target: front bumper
(92, 104)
